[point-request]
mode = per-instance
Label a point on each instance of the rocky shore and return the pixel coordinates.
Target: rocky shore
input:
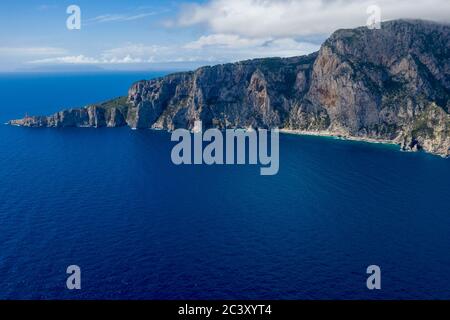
(390, 85)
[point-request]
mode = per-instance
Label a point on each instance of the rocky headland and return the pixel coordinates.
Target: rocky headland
(386, 85)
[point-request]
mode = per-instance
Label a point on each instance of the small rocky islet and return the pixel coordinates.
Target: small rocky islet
(390, 84)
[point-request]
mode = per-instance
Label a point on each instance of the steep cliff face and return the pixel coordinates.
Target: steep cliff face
(390, 84)
(384, 83)
(257, 93)
(107, 114)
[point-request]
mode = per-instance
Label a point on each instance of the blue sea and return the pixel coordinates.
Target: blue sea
(139, 227)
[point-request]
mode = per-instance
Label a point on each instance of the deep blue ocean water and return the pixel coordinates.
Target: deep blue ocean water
(111, 201)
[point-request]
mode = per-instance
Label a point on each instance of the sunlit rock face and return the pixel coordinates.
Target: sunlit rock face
(390, 84)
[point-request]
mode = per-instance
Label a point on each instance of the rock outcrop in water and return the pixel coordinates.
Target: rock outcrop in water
(391, 84)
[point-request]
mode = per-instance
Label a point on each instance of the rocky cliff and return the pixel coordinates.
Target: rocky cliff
(391, 84)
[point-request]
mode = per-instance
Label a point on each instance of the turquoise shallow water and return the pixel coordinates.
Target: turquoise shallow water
(110, 201)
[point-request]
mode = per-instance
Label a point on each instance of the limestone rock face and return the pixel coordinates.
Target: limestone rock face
(389, 84)
(257, 93)
(109, 114)
(374, 82)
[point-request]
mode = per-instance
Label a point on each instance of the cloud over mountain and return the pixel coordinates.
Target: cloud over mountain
(287, 18)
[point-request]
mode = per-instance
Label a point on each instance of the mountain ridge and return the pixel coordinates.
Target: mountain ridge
(388, 85)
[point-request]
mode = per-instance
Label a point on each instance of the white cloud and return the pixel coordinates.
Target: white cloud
(224, 40)
(136, 50)
(126, 59)
(82, 59)
(232, 47)
(215, 48)
(119, 17)
(31, 51)
(290, 18)
(79, 59)
(129, 54)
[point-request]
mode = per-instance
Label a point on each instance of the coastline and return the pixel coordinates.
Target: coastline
(324, 134)
(328, 134)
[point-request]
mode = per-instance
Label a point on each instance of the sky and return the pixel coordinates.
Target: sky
(150, 34)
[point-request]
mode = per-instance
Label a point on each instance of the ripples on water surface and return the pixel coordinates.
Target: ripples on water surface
(110, 201)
